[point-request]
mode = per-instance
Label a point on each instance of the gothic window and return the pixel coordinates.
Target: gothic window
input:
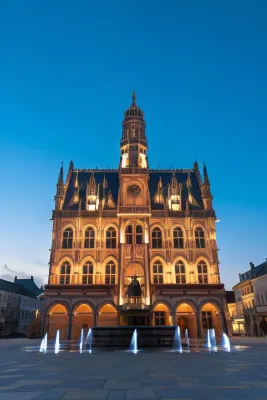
(199, 238)
(65, 273)
(139, 234)
(202, 271)
(67, 238)
(178, 238)
(89, 238)
(159, 318)
(207, 322)
(157, 272)
(110, 275)
(156, 238)
(180, 272)
(129, 234)
(88, 271)
(111, 238)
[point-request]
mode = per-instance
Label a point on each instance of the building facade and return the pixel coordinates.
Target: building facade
(18, 306)
(251, 300)
(133, 246)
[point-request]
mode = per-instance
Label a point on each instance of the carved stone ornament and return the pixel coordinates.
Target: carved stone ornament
(134, 190)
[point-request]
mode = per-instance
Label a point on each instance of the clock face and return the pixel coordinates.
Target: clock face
(133, 190)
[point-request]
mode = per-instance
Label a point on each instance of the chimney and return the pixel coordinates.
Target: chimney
(251, 265)
(15, 278)
(31, 278)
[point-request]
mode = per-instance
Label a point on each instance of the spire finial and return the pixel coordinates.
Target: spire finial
(205, 173)
(133, 99)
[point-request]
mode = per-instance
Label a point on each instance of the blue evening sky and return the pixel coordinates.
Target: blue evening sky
(67, 71)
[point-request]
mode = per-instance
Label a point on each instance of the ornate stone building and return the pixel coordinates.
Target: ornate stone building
(133, 246)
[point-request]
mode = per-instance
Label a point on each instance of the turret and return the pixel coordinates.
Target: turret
(133, 142)
(60, 190)
(205, 190)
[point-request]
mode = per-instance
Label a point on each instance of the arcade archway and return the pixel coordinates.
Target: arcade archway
(161, 315)
(83, 318)
(108, 316)
(57, 320)
(185, 317)
(211, 318)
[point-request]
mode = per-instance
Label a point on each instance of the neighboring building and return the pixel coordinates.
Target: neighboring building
(251, 299)
(133, 246)
(19, 303)
(235, 324)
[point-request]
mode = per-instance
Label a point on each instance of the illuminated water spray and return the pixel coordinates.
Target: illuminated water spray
(133, 345)
(57, 345)
(43, 346)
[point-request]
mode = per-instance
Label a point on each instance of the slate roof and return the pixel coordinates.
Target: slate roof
(112, 178)
(16, 288)
(30, 285)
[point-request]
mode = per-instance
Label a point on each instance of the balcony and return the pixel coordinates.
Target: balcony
(134, 303)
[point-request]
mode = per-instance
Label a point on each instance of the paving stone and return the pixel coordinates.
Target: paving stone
(50, 395)
(19, 395)
(117, 394)
(180, 393)
(94, 394)
(145, 394)
(159, 383)
(122, 384)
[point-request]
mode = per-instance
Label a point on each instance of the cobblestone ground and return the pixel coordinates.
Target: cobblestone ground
(118, 375)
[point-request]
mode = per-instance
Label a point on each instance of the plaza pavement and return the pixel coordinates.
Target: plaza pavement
(118, 375)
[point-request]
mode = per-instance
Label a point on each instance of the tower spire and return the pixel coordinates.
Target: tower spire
(205, 189)
(133, 98)
(205, 174)
(60, 188)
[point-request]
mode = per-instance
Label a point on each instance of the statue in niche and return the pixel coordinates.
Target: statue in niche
(134, 289)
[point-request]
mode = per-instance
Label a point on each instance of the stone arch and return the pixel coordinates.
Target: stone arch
(162, 314)
(108, 314)
(83, 318)
(186, 317)
(212, 317)
(90, 225)
(57, 319)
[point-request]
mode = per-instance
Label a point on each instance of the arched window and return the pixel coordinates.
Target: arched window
(156, 238)
(89, 238)
(199, 238)
(202, 271)
(157, 272)
(139, 234)
(88, 272)
(67, 238)
(65, 273)
(111, 238)
(178, 238)
(180, 272)
(129, 234)
(110, 273)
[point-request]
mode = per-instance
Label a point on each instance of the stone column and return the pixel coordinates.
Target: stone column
(95, 319)
(198, 320)
(69, 326)
(43, 323)
(224, 324)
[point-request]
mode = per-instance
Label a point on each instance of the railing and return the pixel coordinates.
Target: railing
(133, 170)
(133, 210)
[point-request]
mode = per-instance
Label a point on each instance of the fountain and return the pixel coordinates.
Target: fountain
(213, 339)
(89, 339)
(133, 345)
(208, 343)
(43, 347)
(57, 345)
(177, 343)
(81, 341)
(187, 338)
(226, 342)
